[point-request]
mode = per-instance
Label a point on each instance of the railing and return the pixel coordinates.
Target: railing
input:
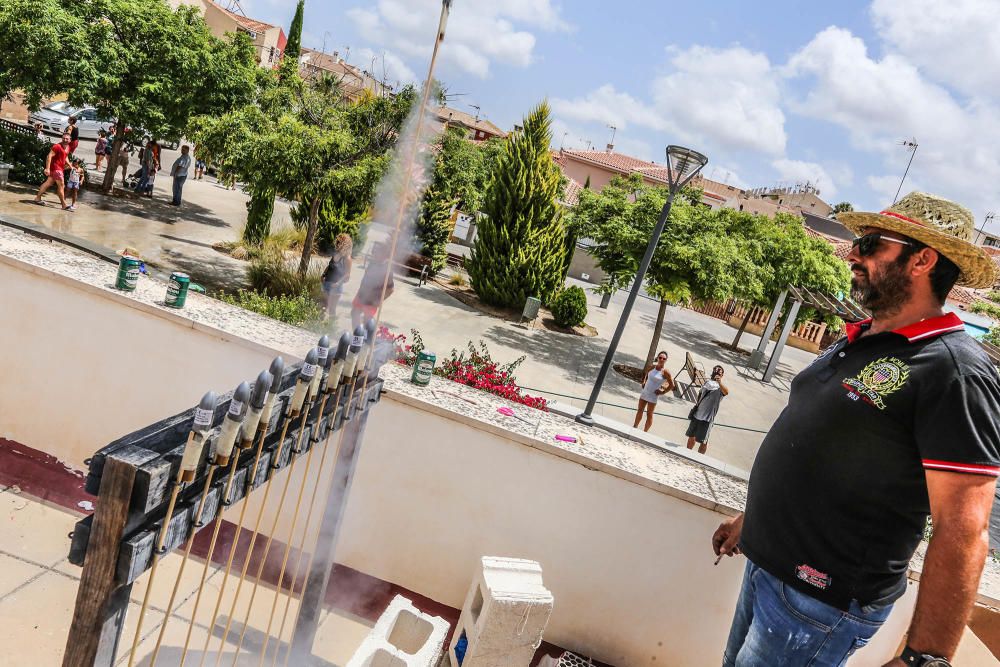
(12, 126)
(810, 332)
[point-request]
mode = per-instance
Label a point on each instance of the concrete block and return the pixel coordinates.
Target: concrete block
(403, 636)
(504, 615)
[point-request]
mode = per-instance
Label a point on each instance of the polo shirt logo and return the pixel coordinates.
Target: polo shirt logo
(879, 379)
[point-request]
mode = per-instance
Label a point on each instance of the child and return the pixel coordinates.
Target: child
(101, 149)
(73, 183)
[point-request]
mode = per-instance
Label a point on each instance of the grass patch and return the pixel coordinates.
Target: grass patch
(298, 310)
(457, 279)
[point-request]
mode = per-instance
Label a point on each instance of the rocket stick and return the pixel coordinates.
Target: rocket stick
(300, 395)
(189, 465)
(223, 448)
(273, 385)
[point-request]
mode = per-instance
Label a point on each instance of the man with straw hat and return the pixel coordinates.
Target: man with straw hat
(895, 421)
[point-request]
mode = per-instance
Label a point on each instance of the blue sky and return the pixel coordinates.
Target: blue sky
(772, 92)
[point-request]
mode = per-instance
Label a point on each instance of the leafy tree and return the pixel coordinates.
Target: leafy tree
(790, 256)
(519, 250)
(842, 207)
(463, 168)
(36, 36)
(434, 227)
(309, 146)
(702, 254)
(138, 61)
(260, 208)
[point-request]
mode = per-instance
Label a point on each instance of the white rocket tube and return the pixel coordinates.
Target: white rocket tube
(231, 424)
(196, 439)
(322, 358)
(303, 382)
(258, 398)
(277, 370)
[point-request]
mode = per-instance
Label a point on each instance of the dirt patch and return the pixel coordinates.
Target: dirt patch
(582, 330)
(631, 372)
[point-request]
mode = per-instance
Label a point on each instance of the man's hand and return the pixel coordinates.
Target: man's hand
(727, 536)
(895, 662)
(46, 172)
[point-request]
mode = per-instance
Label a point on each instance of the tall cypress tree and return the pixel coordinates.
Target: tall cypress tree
(519, 251)
(434, 227)
(293, 46)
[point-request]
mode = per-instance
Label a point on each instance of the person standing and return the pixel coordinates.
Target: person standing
(40, 134)
(369, 297)
(656, 381)
(74, 181)
(337, 273)
(55, 163)
(179, 172)
(124, 158)
(703, 413)
(74, 134)
(898, 420)
(100, 149)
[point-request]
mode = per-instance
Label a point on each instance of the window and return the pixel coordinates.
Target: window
(992, 242)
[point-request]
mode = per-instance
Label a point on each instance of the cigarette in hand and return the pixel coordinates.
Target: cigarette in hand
(718, 559)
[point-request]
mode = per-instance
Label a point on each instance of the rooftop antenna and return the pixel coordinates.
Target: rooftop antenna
(979, 232)
(478, 109)
(589, 143)
(910, 145)
(234, 6)
(611, 144)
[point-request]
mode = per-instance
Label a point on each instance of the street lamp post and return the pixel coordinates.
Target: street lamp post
(683, 164)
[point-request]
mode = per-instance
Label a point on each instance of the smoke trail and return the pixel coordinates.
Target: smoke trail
(400, 193)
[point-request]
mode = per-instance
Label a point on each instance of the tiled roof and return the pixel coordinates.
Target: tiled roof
(572, 194)
(243, 21)
(623, 164)
(963, 297)
(990, 250)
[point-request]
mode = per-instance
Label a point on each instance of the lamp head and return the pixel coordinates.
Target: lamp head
(683, 164)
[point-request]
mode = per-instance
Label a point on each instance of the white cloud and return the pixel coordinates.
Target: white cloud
(385, 63)
(724, 99)
(799, 171)
(956, 42)
(479, 32)
(882, 101)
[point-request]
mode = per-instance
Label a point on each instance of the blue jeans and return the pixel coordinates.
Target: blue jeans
(178, 188)
(777, 626)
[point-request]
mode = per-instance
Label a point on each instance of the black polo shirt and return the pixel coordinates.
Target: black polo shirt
(837, 500)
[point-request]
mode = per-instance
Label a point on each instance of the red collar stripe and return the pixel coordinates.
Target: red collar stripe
(902, 217)
(973, 468)
(935, 326)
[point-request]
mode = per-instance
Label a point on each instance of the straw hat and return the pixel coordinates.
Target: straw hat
(938, 223)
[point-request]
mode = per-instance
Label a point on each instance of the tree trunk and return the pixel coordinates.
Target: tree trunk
(606, 299)
(307, 247)
(743, 327)
(657, 330)
(260, 208)
(112, 168)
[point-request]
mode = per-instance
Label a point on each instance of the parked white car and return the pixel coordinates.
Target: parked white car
(55, 119)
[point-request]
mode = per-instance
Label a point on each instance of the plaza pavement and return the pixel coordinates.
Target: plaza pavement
(558, 366)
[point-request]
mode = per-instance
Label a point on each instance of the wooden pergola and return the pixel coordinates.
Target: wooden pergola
(844, 308)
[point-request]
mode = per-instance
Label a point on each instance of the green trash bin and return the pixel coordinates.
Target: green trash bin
(531, 307)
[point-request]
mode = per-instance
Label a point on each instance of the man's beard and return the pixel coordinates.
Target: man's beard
(885, 293)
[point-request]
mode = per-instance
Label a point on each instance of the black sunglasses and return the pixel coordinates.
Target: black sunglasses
(868, 243)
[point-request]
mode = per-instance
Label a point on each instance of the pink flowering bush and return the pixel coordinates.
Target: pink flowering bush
(474, 368)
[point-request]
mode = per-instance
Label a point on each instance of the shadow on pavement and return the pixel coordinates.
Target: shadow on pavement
(156, 209)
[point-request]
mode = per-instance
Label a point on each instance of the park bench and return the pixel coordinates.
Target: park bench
(696, 378)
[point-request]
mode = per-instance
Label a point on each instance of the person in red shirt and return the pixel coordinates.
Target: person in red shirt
(55, 163)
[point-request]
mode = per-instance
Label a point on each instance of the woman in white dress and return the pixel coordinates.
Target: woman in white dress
(655, 381)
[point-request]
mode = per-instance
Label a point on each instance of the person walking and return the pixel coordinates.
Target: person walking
(55, 163)
(124, 158)
(369, 297)
(74, 134)
(100, 149)
(895, 421)
(702, 415)
(337, 273)
(656, 381)
(179, 171)
(149, 164)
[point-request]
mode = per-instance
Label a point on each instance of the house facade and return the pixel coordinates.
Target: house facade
(477, 129)
(268, 40)
(355, 81)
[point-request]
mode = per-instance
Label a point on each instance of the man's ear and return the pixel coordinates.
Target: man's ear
(924, 261)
